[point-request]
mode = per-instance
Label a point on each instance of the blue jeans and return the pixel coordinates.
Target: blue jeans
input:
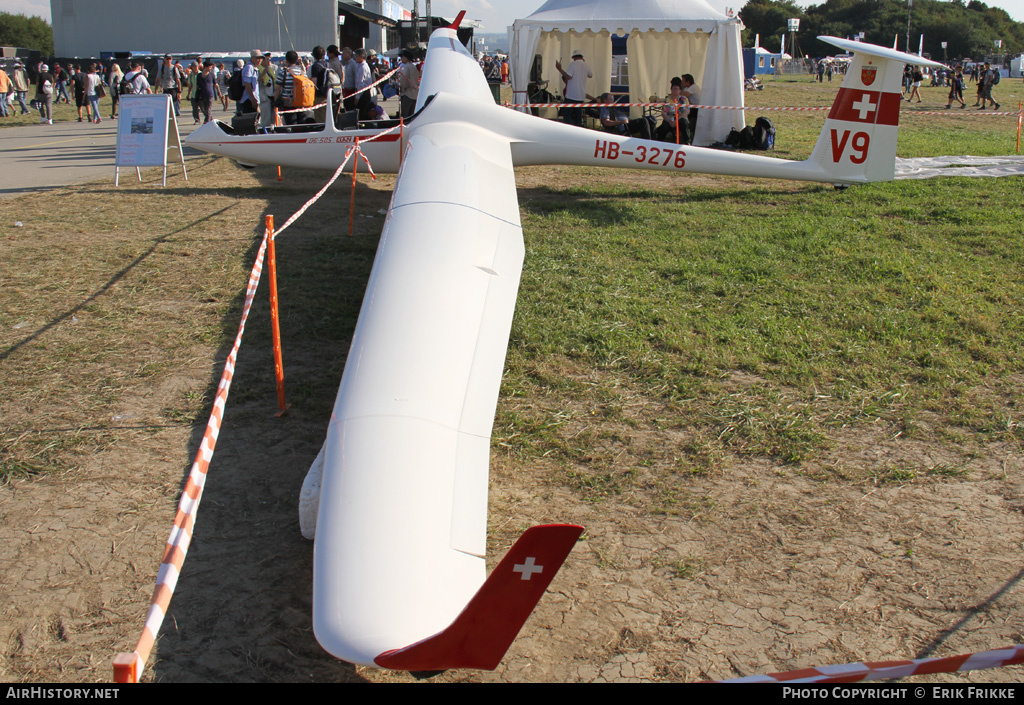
(94, 102)
(20, 97)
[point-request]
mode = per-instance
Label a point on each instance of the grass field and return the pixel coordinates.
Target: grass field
(718, 376)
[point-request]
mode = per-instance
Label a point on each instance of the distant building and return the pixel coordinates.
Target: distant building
(758, 61)
(87, 28)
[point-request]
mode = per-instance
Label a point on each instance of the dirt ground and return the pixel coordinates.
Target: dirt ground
(756, 568)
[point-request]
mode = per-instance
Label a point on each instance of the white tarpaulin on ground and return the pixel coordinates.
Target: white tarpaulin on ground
(930, 167)
(666, 38)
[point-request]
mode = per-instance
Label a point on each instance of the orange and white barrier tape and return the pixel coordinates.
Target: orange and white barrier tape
(647, 105)
(986, 113)
(971, 113)
(361, 90)
(884, 670)
(128, 667)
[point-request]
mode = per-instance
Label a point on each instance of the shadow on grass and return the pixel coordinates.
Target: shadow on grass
(612, 206)
(118, 276)
(242, 610)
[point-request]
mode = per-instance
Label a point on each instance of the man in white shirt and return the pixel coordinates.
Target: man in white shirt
(137, 79)
(575, 78)
(363, 78)
(250, 101)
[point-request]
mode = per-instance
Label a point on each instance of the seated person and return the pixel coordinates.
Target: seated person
(615, 121)
(666, 131)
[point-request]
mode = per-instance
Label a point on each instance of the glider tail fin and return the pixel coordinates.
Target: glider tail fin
(483, 631)
(858, 142)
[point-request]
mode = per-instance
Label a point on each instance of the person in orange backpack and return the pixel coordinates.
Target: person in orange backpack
(284, 87)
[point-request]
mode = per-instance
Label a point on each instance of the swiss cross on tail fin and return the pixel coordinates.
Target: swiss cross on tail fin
(483, 631)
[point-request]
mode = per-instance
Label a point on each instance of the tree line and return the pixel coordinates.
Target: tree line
(969, 28)
(28, 32)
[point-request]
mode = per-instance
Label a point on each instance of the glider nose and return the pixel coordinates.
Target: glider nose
(204, 135)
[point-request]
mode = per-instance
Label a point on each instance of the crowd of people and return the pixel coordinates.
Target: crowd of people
(259, 85)
(678, 119)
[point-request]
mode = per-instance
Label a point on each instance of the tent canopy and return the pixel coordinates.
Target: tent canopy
(666, 38)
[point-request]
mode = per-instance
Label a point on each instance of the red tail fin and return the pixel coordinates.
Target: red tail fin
(458, 21)
(483, 631)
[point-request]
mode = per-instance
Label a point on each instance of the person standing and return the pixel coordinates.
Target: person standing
(92, 93)
(44, 94)
(265, 78)
(956, 91)
(60, 77)
(169, 80)
(336, 64)
(318, 74)
(5, 88)
(575, 77)
(20, 82)
(250, 101)
(80, 84)
(205, 92)
(223, 76)
(114, 81)
(363, 79)
(284, 87)
(691, 91)
(137, 81)
(348, 83)
(408, 83)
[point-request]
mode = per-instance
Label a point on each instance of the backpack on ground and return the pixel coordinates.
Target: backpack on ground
(236, 89)
(303, 92)
(764, 134)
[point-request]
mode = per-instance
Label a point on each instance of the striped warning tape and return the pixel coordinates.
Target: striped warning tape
(747, 108)
(884, 670)
(361, 90)
(646, 105)
(978, 113)
(348, 155)
(128, 667)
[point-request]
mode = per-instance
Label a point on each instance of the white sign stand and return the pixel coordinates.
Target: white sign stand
(146, 130)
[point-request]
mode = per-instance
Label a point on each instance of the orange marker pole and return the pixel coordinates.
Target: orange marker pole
(677, 123)
(352, 203)
(275, 319)
(1020, 119)
(277, 122)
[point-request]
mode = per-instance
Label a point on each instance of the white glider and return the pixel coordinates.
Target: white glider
(399, 570)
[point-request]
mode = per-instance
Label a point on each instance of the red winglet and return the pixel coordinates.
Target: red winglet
(483, 631)
(458, 21)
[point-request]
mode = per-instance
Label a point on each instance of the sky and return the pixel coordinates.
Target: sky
(495, 15)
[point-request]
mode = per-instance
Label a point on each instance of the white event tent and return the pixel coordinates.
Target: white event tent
(666, 38)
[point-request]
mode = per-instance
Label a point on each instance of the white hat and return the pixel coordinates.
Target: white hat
(576, 52)
(44, 67)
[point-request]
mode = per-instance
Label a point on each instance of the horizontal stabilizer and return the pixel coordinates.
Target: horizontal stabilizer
(483, 631)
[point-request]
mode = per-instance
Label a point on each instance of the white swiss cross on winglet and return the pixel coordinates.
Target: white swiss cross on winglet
(864, 106)
(483, 631)
(528, 568)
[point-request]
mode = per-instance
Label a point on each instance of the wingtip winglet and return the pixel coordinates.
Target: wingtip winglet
(483, 631)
